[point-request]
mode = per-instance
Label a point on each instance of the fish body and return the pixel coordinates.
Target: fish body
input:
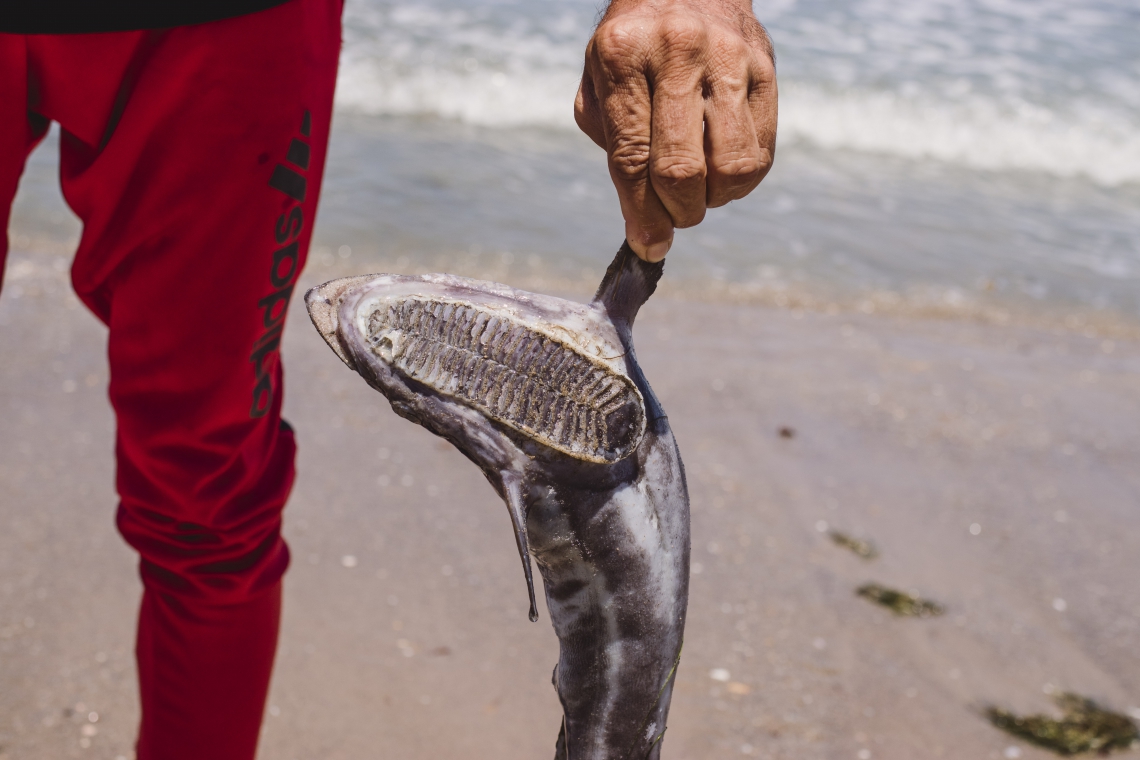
(545, 395)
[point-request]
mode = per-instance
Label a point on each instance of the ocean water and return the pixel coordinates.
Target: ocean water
(968, 154)
(1049, 86)
(962, 155)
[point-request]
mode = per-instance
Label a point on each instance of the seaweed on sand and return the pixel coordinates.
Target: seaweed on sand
(899, 602)
(863, 548)
(1085, 727)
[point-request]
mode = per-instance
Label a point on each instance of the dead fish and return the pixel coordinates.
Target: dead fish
(545, 395)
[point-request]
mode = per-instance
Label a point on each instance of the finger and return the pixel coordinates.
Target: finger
(734, 160)
(588, 112)
(648, 226)
(763, 103)
(677, 153)
(626, 117)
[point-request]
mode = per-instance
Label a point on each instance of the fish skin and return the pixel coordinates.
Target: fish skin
(611, 539)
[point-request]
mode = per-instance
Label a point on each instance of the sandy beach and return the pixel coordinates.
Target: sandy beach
(921, 331)
(994, 467)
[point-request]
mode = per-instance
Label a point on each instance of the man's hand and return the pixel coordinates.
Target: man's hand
(681, 94)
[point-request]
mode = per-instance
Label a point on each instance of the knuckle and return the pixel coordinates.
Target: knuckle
(735, 177)
(630, 160)
(765, 160)
(615, 42)
(765, 72)
(740, 170)
(680, 181)
(690, 215)
(579, 104)
(675, 169)
(729, 70)
(729, 55)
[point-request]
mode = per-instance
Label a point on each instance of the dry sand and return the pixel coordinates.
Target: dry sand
(405, 631)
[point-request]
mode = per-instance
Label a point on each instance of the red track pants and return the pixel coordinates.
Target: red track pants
(193, 156)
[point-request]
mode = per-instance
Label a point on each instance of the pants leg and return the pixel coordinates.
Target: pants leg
(203, 674)
(197, 186)
(20, 129)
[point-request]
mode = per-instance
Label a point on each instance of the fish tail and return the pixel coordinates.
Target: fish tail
(629, 282)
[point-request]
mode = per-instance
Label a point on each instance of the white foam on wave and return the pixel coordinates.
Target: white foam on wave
(463, 62)
(491, 99)
(491, 64)
(977, 133)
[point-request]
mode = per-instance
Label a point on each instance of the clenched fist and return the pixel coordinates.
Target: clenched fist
(681, 94)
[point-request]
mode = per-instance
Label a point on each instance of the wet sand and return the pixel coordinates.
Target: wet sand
(405, 631)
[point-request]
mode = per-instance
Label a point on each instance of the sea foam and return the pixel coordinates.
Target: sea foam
(1043, 86)
(979, 133)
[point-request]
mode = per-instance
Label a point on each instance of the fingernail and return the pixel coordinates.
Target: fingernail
(657, 251)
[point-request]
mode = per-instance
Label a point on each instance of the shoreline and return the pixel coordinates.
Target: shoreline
(29, 255)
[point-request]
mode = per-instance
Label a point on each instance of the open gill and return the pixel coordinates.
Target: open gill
(514, 374)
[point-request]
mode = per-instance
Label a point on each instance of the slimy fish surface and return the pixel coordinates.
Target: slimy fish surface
(545, 396)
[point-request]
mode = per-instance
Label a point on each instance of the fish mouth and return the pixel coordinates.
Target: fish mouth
(558, 385)
(323, 302)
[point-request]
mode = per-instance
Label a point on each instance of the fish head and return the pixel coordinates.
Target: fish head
(535, 390)
(508, 376)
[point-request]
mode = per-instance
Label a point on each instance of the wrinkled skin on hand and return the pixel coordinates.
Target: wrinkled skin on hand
(583, 457)
(682, 96)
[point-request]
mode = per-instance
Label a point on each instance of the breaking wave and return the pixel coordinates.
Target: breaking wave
(978, 134)
(513, 64)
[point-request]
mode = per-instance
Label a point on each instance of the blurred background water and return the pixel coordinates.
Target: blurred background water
(964, 154)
